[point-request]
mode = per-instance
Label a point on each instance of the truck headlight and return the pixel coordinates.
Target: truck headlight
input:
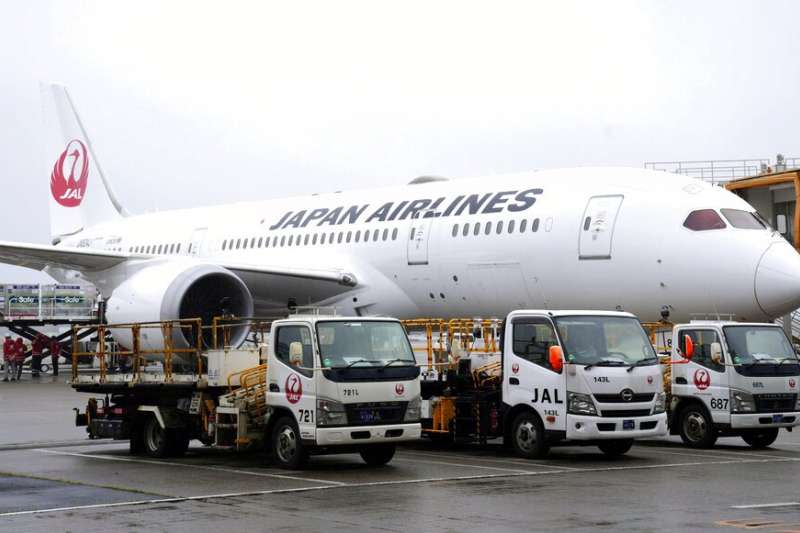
(742, 402)
(413, 410)
(580, 404)
(330, 413)
(660, 404)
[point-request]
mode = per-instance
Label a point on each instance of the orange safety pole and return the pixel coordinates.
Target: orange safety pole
(101, 334)
(137, 358)
(74, 351)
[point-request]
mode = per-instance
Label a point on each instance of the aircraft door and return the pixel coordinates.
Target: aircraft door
(597, 227)
(198, 238)
(418, 238)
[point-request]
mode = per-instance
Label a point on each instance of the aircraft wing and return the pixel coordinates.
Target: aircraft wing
(40, 256)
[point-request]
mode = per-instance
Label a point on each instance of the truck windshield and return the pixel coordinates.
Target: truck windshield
(750, 345)
(604, 340)
(363, 344)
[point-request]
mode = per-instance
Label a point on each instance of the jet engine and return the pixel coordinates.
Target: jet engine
(177, 290)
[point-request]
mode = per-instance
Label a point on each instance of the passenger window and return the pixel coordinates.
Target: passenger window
(394, 234)
(179, 248)
(523, 225)
(477, 228)
(499, 227)
(238, 243)
(253, 242)
(511, 226)
(488, 229)
(465, 231)
(322, 238)
(535, 225)
(293, 343)
(702, 339)
(260, 241)
(283, 240)
(385, 233)
(305, 241)
(224, 245)
(349, 236)
(266, 242)
(314, 239)
(703, 220)
(376, 235)
(533, 338)
(587, 223)
(358, 235)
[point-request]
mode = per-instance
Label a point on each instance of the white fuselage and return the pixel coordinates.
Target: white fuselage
(469, 256)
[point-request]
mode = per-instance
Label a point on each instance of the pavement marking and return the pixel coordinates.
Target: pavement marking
(487, 460)
(448, 463)
(187, 465)
(310, 488)
(765, 505)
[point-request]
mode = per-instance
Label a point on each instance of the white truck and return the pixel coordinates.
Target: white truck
(577, 377)
(732, 379)
(322, 384)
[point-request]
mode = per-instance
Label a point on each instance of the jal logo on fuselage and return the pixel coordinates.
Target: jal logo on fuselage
(546, 396)
(70, 175)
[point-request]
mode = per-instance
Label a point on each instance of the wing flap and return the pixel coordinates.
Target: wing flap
(39, 256)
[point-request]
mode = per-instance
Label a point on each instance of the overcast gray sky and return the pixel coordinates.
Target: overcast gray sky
(193, 103)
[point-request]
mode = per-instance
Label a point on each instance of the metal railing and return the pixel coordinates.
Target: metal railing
(441, 336)
(716, 172)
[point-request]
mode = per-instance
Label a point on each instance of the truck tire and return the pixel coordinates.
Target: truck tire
(288, 450)
(527, 436)
(178, 442)
(760, 438)
(615, 448)
(696, 427)
(156, 439)
(378, 454)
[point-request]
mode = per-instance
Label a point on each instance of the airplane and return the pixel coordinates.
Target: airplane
(631, 239)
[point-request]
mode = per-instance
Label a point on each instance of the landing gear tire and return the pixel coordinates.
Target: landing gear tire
(378, 455)
(615, 448)
(760, 438)
(697, 429)
(156, 439)
(288, 450)
(527, 436)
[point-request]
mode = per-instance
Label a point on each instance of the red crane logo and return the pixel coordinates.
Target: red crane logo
(68, 189)
(294, 388)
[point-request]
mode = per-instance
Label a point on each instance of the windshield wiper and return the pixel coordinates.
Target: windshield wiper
(604, 362)
(356, 362)
(642, 362)
(392, 361)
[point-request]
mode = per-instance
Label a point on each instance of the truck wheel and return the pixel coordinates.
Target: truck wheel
(378, 454)
(156, 438)
(697, 429)
(527, 436)
(615, 448)
(760, 438)
(287, 447)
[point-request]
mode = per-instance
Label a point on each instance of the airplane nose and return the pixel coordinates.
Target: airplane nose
(777, 282)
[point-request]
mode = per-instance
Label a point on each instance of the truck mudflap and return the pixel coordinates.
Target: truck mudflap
(765, 420)
(368, 434)
(606, 428)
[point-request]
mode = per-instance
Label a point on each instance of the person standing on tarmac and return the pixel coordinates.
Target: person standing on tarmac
(37, 347)
(55, 353)
(9, 358)
(19, 356)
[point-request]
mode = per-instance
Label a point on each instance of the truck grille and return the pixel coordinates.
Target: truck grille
(623, 413)
(775, 403)
(375, 413)
(616, 398)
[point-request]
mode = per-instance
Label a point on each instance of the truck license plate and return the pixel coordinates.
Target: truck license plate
(368, 415)
(628, 424)
(777, 418)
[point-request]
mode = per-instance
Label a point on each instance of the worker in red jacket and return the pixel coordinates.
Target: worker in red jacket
(9, 358)
(37, 347)
(55, 353)
(19, 356)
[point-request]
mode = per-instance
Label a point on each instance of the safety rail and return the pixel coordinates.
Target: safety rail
(221, 327)
(441, 335)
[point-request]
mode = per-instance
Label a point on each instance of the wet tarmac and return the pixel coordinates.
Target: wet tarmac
(56, 480)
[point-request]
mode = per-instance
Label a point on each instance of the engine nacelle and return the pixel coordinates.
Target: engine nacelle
(175, 290)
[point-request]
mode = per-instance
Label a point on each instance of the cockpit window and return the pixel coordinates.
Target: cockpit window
(742, 219)
(704, 219)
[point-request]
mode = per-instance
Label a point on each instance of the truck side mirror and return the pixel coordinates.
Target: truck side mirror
(296, 353)
(688, 347)
(556, 358)
(716, 353)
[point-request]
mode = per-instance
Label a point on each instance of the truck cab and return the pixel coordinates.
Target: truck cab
(338, 384)
(732, 379)
(587, 377)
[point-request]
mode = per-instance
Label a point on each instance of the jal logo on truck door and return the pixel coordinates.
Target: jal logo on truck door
(294, 388)
(546, 396)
